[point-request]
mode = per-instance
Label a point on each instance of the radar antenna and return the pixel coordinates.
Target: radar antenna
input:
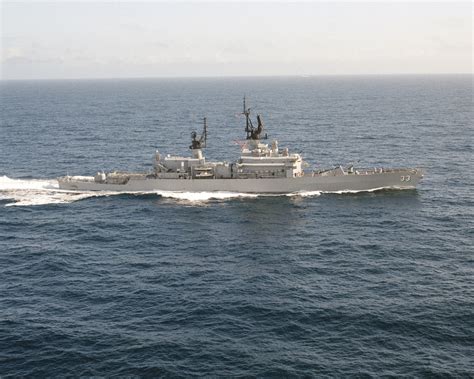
(252, 132)
(202, 141)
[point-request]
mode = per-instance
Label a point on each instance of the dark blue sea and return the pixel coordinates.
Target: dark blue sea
(182, 285)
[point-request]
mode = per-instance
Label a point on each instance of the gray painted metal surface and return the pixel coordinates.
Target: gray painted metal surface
(399, 179)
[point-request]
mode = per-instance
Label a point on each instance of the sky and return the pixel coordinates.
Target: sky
(193, 39)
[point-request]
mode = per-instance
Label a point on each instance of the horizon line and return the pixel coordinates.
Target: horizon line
(236, 76)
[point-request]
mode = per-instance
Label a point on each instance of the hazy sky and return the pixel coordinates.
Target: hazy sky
(152, 39)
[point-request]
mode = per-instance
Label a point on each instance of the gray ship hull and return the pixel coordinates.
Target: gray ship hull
(396, 179)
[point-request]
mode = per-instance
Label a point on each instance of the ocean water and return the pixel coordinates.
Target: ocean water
(233, 285)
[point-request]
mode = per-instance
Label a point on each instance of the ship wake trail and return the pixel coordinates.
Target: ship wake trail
(26, 192)
(197, 197)
(29, 192)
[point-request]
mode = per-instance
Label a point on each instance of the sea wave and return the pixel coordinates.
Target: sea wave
(28, 192)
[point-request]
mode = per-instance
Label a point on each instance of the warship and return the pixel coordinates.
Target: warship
(262, 168)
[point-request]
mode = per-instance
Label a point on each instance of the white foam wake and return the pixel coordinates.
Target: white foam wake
(304, 194)
(204, 196)
(25, 192)
(343, 192)
(7, 184)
